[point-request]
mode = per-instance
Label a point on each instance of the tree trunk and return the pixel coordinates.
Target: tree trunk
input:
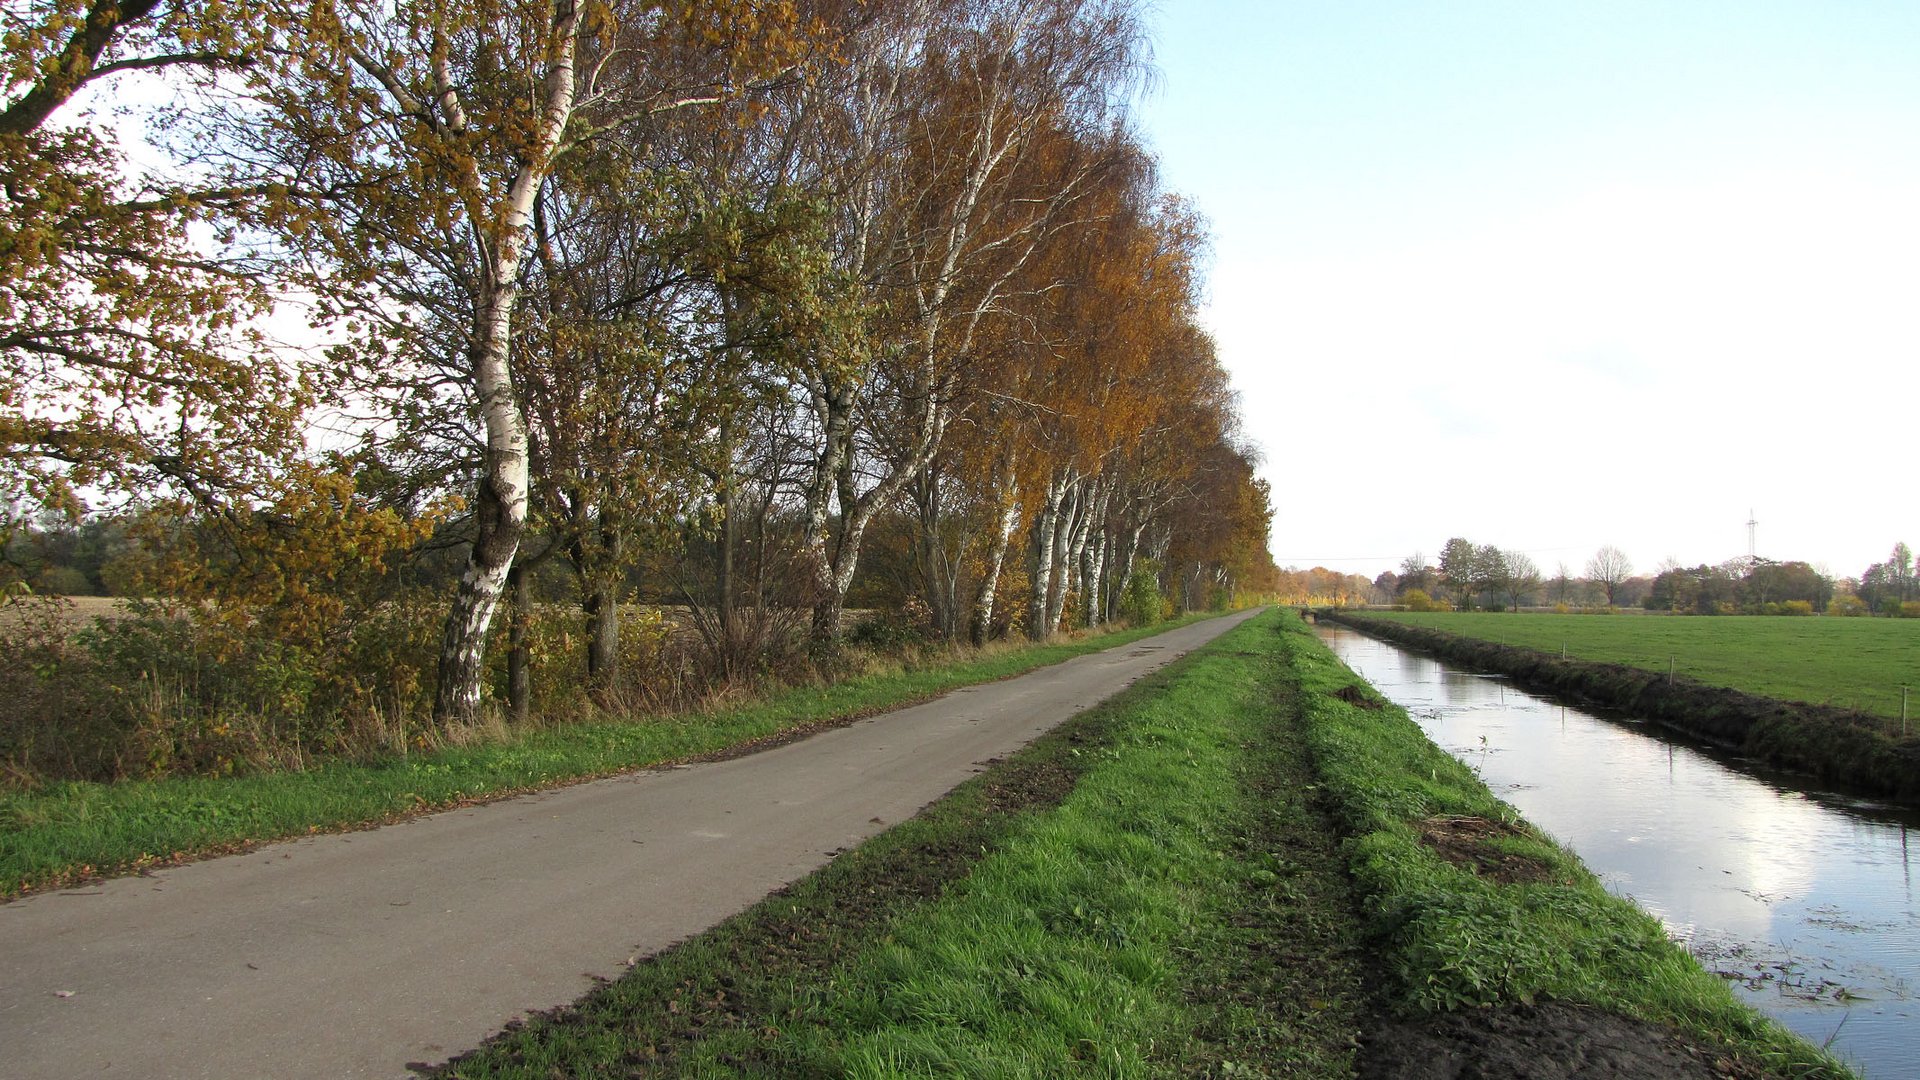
(519, 632)
(937, 570)
(833, 406)
(500, 513)
(1066, 528)
(500, 504)
(996, 558)
(602, 607)
(723, 587)
(1045, 537)
(1093, 586)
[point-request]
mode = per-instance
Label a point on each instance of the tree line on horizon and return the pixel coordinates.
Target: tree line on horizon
(1482, 576)
(750, 308)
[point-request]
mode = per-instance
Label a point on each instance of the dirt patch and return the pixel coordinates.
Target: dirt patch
(1353, 695)
(1545, 1042)
(1473, 843)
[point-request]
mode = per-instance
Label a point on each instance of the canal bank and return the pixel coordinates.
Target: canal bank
(1838, 746)
(1801, 899)
(1501, 953)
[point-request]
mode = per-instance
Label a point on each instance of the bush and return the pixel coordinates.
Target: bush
(1909, 610)
(1140, 601)
(1797, 607)
(1847, 606)
(1418, 600)
(58, 712)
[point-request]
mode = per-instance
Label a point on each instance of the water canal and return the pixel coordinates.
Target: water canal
(1803, 899)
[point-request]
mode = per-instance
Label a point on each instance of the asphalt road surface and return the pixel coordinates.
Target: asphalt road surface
(357, 954)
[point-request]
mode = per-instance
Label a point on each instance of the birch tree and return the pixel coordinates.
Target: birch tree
(928, 140)
(420, 136)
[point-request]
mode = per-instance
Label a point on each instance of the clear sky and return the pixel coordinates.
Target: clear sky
(1551, 275)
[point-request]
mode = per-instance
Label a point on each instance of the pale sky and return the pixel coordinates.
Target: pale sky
(1555, 275)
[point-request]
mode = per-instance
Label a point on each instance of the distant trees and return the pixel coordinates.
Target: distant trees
(1520, 578)
(1414, 573)
(1884, 586)
(1608, 568)
(1482, 575)
(1735, 587)
(1320, 587)
(1461, 570)
(1562, 589)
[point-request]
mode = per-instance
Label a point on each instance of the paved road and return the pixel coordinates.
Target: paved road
(353, 955)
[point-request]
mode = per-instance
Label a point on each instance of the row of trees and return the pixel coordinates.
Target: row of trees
(720, 288)
(1481, 575)
(1741, 586)
(1475, 575)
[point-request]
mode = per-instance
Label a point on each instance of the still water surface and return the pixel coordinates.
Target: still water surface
(1803, 899)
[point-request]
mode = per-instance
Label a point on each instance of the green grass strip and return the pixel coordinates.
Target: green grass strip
(1848, 663)
(1449, 937)
(1109, 901)
(72, 831)
(1067, 952)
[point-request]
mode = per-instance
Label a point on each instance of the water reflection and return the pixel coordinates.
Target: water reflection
(1804, 899)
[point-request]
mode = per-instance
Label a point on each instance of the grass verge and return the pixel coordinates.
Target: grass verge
(1178, 910)
(1468, 906)
(69, 832)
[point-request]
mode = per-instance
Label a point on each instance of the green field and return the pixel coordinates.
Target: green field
(1850, 663)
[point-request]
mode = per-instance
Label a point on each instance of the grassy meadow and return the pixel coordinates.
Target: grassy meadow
(1848, 663)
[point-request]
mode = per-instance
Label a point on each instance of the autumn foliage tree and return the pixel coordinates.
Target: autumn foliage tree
(715, 291)
(128, 361)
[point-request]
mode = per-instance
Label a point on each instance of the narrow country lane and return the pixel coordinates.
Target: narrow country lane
(356, 954)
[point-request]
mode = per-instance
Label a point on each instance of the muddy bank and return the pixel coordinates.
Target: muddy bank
(1548, 1041)
(1840, 746)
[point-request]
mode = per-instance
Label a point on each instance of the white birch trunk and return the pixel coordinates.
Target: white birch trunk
(501, 501)
(996, 559)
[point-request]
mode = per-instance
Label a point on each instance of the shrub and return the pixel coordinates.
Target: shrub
(1847, 605)
(58, 711)
(1418, 600)
(888, 632)
(1797, 607)
(1140, 601)
(1909, 610)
